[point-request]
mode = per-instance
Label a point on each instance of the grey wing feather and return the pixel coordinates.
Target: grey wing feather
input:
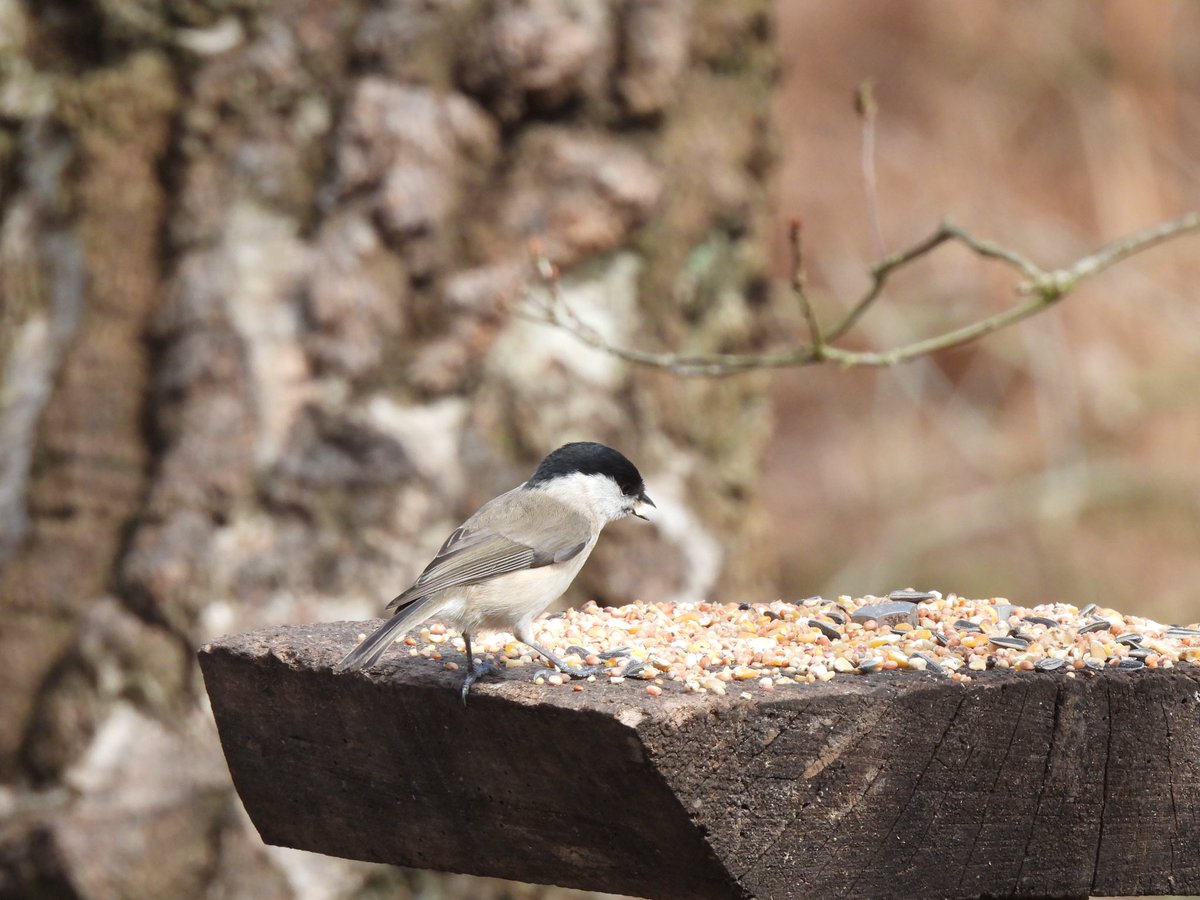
(519, 530)
(558, 556)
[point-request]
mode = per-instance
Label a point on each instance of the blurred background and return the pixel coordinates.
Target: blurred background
(1054, 461)
(263, 342)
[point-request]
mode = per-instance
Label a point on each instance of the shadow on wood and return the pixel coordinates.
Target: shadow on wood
(893, 785)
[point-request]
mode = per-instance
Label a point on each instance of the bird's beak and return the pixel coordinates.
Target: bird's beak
(643, 498)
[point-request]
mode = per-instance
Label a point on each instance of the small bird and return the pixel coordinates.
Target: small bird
(516, 555)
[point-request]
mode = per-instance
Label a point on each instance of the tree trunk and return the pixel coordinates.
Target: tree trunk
(261, 269)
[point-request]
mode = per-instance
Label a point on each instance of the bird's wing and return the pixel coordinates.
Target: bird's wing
(528, 533)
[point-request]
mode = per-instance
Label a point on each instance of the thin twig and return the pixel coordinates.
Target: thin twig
(1064, 280)
(866, 107)
(800, 286)
(947, 231)
(1044, 288)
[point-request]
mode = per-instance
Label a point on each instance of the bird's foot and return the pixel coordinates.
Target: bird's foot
(561, 667)
(474, 672)
(572, 671)
(584, 653)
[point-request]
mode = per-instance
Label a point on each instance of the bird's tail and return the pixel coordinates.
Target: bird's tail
(368, 652)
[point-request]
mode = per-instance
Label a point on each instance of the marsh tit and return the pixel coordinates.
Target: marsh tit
(516, 555)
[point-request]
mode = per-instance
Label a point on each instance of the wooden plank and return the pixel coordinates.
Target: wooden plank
(889, 785)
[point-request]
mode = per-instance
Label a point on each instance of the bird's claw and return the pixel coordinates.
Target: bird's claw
(473, 675)
(572, 671)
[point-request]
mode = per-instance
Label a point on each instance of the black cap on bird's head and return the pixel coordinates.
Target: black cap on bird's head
(591, 458)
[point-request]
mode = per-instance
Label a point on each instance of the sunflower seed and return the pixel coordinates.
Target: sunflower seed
(912, 596)
(1088, 610)
(1131, 664)
(867, 666)
(634, 667)
(1097, 625)
(887, 613)
(1178, 631)
(934, 665)
(965, 625)
(826, 629)
(1042, 620)
(1012, 643)
(1049, 664)
(941, 639)
(1130, 639)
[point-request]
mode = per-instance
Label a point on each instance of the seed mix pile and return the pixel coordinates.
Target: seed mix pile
(715, 646)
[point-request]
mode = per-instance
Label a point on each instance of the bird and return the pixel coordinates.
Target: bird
(516, 555)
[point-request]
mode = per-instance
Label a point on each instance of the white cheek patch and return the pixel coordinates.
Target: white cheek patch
(597, 496)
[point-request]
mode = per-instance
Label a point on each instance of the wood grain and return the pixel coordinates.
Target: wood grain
(893, 785)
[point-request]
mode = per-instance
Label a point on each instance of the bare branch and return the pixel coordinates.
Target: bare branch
(866, 108)
(800, 286)
(1043, 288)
(947, 231)
(1065, 280)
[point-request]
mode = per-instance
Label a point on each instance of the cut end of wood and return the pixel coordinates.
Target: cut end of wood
(885, 785)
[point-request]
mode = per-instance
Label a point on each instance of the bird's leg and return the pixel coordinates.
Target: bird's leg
(474, 672)
(525, 637)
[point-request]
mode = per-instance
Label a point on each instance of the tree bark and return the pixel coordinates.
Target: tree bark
(260, 276)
